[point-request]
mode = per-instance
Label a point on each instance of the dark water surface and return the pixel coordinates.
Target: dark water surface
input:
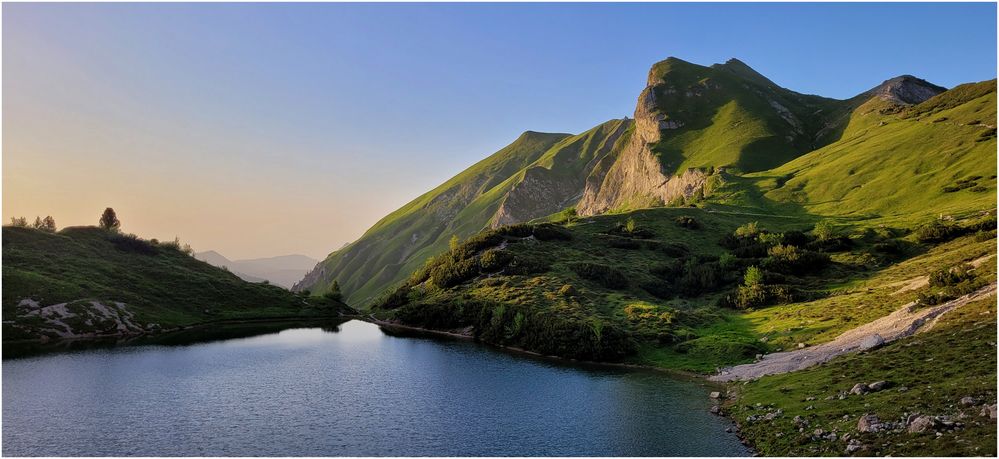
(345, 390)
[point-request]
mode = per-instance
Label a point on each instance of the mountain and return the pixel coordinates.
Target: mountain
(85, 281)
(534, 176)
(282, 270)
(691, 124)
(739, 224)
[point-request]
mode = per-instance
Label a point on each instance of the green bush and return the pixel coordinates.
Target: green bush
(686, 221)
(493, 260)
(601, 274)
(937, 231)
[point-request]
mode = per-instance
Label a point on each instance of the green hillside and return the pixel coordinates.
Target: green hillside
(935, 157)
(51, 279)
(731, 116)
(535, 176)
(723, 117)
(895, 207)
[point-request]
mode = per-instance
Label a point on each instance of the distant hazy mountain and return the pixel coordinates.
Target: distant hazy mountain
(282, 270)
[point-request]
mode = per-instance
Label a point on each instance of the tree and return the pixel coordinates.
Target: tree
(19, 222)
(754, 277)
(630, 225)
(568, 215)
(453, 243)
(38, 223)
(824, 230)
(48, 224)
(334, 293)
(109, 220)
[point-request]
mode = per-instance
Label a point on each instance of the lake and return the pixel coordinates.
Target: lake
(347, 389)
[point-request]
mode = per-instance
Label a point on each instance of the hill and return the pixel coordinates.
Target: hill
(85, 281)
(534, 176)
(283, 270)
(692, 124)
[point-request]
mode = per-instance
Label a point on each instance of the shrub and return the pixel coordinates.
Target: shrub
(951, 277)
(450, 271)
(623, 243)
(748, 231)
(698, 277)
(493, 260)
(686, 221)
(791, 259)
(937, 231)
(132, 243)
(601, 274)
(728, 262)
(567, 216)
(526, 265)
(567, 290)
(824, 230)
(550, 232)
(753, 277)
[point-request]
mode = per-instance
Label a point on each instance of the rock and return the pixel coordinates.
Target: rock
(968, 401)
(853, 447)
(715, 395)
(921, 424)
(871, 342)
(800, 422)
(715, 409)
(859, 389)
(989, 410)
(728, 430)
(876, 386)
(868, 423)
(801, 345)
(772, 415)
(810, 399)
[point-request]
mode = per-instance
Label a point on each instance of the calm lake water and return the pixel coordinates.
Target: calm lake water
(345, 390)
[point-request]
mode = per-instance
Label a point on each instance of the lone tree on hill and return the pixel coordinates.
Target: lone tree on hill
(109, 220)
(48, 224)
(38, 223)
(334, 293)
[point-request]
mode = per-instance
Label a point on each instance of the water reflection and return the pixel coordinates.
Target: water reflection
(344, 389)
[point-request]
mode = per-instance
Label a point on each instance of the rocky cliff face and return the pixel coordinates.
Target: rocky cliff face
(904, 90)
(637, 178)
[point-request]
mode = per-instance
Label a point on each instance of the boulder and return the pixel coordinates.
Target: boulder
(800, 422)
(859, 389)
(921, 424)
(869, 423)
(715, 409)
(853, 447)
(989, 410)
(871, 342)
(876, 386)
(715, 395)
(968, 401)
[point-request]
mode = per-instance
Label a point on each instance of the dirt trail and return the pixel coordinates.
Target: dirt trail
(904, 322)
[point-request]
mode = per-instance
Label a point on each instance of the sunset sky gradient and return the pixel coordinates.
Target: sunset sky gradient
(268, 129)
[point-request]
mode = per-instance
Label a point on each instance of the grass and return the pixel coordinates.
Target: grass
(159, 283)
(956, 359)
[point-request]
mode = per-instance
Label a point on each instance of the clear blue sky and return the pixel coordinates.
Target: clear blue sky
(329, 116)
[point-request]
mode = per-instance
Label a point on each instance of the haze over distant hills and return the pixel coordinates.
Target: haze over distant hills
(283, 270)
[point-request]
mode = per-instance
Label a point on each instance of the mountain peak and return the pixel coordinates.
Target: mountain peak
(904, 89)
(739, 68)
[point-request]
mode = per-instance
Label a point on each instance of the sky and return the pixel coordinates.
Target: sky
(269, 129)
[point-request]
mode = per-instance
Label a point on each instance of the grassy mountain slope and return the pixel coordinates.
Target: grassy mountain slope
(898, 208)
(935, 157)
(732, 116)
(536, 175)
(156, 284)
